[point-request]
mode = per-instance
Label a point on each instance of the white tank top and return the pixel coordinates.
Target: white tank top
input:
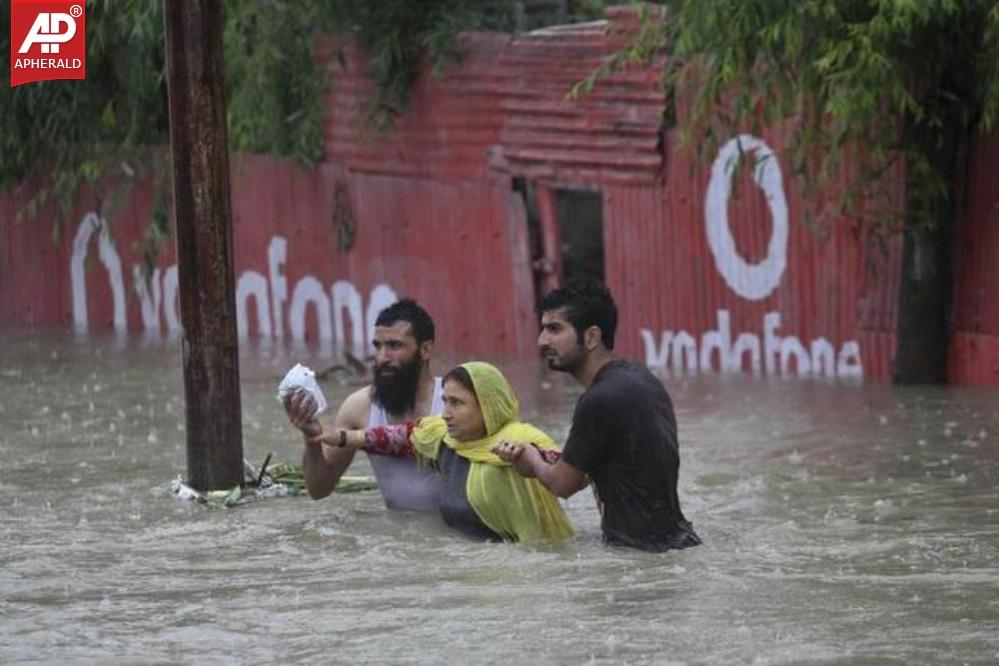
(403, 483)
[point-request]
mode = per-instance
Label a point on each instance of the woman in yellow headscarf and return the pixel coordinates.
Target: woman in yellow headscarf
(481, 495)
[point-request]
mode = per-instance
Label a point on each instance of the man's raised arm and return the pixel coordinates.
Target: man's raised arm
(323, 465)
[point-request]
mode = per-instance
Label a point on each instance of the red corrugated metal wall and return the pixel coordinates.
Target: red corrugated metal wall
(835, 288)
(974, 352)
(450, 244)
(706, 275)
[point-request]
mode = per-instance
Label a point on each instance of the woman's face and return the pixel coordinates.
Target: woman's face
(462, 413)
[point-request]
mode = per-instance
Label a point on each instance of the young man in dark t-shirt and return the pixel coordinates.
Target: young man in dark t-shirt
(623, 433)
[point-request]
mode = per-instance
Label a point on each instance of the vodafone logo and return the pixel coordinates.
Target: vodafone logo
(47, 40)
(766, 350)
(752, 281)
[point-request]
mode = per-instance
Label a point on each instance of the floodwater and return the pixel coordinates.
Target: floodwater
(842, 523)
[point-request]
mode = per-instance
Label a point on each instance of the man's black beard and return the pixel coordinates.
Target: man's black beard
(395, 388)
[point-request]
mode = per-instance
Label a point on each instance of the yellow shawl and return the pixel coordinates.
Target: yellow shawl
(516, 508)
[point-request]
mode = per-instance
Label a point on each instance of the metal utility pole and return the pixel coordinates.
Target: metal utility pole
(200, 154)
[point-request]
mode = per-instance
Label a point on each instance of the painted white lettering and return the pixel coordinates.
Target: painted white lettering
(78, 281)
(781, 355)
(849, 363)
(112, 263)
(746, 343)
(149, 303)
(382, 296)
(252, 283)
(823, 358)
(171, 300)
(309, 291)
(277, 254)
(656, 358)
(771, 342)
(346, 297)
(792, 349)
(719, 340)
(684, 348)
(158, 295)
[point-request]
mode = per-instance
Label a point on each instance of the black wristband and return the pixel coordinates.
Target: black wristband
(343, 438)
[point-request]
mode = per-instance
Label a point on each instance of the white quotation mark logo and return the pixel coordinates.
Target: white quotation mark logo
(51, 29)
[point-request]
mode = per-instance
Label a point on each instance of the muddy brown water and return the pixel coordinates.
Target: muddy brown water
(843, 523)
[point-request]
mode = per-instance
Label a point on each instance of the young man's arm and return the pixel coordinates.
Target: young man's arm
(560, 478)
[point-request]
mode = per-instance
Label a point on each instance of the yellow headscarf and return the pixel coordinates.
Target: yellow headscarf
(510, 505)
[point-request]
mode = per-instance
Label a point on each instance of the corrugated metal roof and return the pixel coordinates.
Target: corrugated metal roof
(507, 101)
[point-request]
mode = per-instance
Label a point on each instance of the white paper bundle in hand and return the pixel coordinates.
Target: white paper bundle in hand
(301, 377)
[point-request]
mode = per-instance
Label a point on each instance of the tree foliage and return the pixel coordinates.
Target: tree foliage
(898, 86)
(398, 35)
(99, 132)
(70, 134)
(898, 78)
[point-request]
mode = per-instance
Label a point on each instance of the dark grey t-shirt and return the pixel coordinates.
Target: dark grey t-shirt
(455, 509)
(623, 435)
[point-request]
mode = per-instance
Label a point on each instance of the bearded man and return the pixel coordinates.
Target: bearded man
(403, 390)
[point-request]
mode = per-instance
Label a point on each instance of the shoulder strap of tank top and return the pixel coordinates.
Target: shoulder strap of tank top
(377, 416)
(437, 402)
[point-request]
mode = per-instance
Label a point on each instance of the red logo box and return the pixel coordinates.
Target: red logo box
(48, 41)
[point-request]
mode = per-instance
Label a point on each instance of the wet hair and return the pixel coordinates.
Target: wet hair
(408, 310)
(586, 302)
(460, 375)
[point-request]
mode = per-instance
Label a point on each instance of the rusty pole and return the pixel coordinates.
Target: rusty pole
(200, 155)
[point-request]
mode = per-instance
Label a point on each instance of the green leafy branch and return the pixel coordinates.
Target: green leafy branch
(886, 82)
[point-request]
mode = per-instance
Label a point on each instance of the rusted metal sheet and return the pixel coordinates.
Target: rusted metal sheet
(504, 109)
(974, 359)
(42, 255)
(717, 272)
(610, 135)
(974, 353)
(454, 246)
(452, 123)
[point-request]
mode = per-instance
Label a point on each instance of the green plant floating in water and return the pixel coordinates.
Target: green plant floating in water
(280, 480)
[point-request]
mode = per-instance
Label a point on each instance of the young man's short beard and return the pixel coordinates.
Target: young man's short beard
(395, 389)
(570, 364)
